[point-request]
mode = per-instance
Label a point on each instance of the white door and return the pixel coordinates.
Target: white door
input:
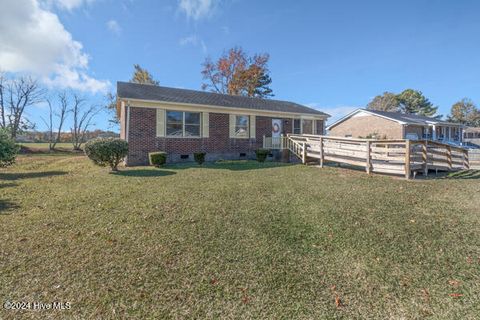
(276, 128)
(276, 133)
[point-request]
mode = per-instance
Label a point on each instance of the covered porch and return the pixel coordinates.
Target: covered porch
(448, 133)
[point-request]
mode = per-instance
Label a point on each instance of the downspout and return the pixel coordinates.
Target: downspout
(127, 124)
(127, 129)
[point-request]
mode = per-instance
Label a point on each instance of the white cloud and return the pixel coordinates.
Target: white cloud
(33, 40)
(194, 41)
(335, 112)
(67, 4)
(114, 27)
(198, 9)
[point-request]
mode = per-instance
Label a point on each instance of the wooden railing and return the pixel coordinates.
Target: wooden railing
(474, 158)
(277, 143)
(400, 157)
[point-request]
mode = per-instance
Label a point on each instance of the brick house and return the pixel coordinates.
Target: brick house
(395, 125)
(181, 122)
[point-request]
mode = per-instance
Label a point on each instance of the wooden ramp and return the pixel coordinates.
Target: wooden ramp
(398, 157)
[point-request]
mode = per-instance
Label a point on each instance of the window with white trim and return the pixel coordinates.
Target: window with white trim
(297, 126)
(307, 126)
(241, 126)
(183, 124)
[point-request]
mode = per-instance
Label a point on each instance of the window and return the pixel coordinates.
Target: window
(192, 124)
(183, 124)
(296, 126)
(307, 126)
(241, 126)
(175, 123)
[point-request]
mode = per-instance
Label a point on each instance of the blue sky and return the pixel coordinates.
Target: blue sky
(332, 55)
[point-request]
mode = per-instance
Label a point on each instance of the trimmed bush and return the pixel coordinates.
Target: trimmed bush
(107, 151)
(262, 154)
(157, 159)
(8, 149)
(199, 157)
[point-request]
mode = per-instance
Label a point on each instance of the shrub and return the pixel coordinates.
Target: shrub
(199, 157)
(106, 151)
(157, 159)
(262, 154)
(8, 149)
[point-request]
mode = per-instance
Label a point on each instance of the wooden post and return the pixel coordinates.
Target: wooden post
(368, 167)
(466, 163)
(449, 157)
(304, 153)
(407, 159)
(321, 152)
(425, 157)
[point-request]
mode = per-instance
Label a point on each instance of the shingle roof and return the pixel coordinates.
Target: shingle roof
(397, 116)
(129, 90)
(408, 118)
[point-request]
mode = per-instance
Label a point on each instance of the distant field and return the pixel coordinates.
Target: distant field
(42, 145)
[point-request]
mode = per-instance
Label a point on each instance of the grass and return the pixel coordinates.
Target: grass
(237, 240)
(42, 145)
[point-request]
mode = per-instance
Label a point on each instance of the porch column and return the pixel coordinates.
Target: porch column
(434, 132)
(449, 133)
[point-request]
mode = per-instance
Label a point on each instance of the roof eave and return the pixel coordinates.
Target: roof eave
(323, 115)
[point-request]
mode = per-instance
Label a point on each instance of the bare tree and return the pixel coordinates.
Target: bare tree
(61, 115)
(3, 123)
(82, 119)
(15, 96)
(60, 111)
(49, 124)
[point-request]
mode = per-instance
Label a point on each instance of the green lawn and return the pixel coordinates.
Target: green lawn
(44, 145)
(237, 240)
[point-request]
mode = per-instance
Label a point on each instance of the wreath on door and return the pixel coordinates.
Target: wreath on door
(276, 128)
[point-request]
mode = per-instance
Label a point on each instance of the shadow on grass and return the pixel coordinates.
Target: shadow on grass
(5, 205)
(233, 165)
(46, 151)
(8, 185)
(29, 175)
(144, 173)
(465, 174)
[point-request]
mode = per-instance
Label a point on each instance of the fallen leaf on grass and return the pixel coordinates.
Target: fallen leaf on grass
(338, 302)
(456, 295)
(245, 297)
(426, 294)
(454, 283)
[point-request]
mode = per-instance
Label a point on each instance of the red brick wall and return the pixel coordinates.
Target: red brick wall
(142, 138)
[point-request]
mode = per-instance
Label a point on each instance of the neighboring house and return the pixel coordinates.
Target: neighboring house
(394, 125)
(471, 133)
(181, 122)
(472, 136)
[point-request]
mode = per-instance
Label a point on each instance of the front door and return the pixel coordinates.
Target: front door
(276, 128)
(276, 133)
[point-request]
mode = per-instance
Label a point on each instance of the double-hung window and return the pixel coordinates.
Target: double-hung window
(297, 129)
(183, 124)
(303, 126)
(307, 126)
(241, 126)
